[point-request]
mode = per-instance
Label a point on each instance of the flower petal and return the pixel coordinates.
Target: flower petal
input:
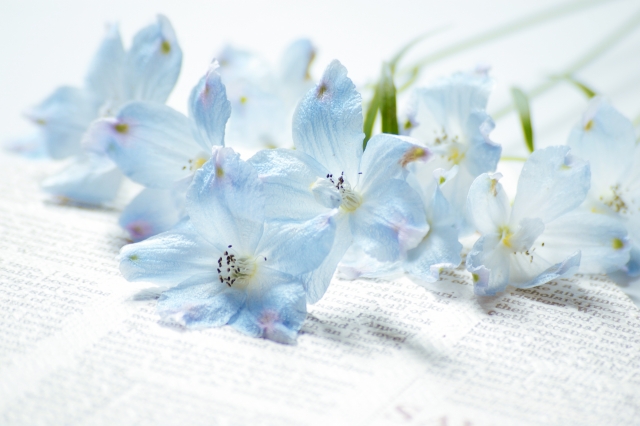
(62, 118)
(151, 143)
(104, 78)
(489, 265)
(89, 179)
(295, 79)
(275, 312)
(200, 302)
(289, 177)
(298, 247)
(487, 203)
(327, 124)
(152, 64)
(226, 202)
(552, 182)
(170, 257)
(210, 109)
(527, 274)
(390, 221)
(151, 212)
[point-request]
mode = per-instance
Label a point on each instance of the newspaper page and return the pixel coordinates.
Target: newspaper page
(81, 346)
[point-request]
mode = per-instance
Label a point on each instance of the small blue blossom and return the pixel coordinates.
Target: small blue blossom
(540, 237)
(450, 118)
(146, 72)
(225, 263)
(607, 139)
(161, 149)
(377, 209)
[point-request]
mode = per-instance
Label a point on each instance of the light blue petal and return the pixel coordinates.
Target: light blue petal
(29, 146)
(526, 234)
(289, 177)
(489, 265)
(152, 64)
(104, 78)
(275, 313)
(89, 179)
(387, 157)
(295, 70)
(316, 282)
(169, 258)
(440, 248)
(603, 241)
(327, 124)
(151, 143)
(552, 182)
(633, 266)
(210, 109)
(488, 204)
(606, 139)
(62, 118)
(200, 302)
(356, 263)
(151, 212)
(482, 155)
(565, 268)
(390, 221)
(226, 202)
(298, 247)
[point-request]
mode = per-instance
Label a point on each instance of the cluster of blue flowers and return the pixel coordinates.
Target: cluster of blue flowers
(251, 243)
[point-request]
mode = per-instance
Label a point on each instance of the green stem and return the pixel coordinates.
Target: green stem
(513, 27)
(583, 61)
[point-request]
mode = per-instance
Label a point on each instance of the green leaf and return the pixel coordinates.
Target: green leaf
(387, 91)
(370, 116)
(521, 102)
(588, 92)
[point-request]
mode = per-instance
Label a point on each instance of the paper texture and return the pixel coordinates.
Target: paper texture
(80, 345)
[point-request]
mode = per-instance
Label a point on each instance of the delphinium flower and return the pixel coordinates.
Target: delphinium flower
(540, 237)
(147, 71)
(161, 149)
(225, 264)
(328, 170)
(439, 249)
(450, 118)
(607, 139)
(262, 97)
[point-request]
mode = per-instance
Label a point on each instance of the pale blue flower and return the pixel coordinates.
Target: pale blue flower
(225, 264)
(540, 237)
(450, 118)
(161, 149)
(607, 140)
(263, 97)
(328, 170)
(147, 71)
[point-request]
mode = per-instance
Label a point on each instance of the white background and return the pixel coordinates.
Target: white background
(45, 43)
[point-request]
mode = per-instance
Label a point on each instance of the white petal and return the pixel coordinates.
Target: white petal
(488, 204)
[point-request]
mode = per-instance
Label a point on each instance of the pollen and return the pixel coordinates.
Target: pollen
(322, 89)
(506, 235)
(589, 125)
(442, 180)
(219, 172)
(617, 244)
(475, 277)
(41, 121)
(121, 128)
(413, 154)
(236, 271)
(199, 162)
(243, 100)
(133, 257)
(165, 47)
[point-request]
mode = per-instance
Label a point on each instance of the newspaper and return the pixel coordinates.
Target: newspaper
(80, 345)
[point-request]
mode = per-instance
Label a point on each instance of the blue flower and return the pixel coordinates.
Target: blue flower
(449, 117)
(147, 71)
(328, 170)
(263, 98)
(607, 140)
(161, 149)
(541, 237)
(226, 265)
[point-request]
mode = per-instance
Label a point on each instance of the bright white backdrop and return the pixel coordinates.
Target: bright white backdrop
(45, 43)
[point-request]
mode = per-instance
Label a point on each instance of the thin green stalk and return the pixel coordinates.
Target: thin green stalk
(494, 34)
(583, 61)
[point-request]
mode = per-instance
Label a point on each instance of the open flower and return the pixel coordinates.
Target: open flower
(161, 149)
(541, 237)
(449, 117)
(328, 170)
(607, 140)
(227, 265)
(147, 71)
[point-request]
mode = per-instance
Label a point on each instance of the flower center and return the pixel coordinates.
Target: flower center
(195, 163)
(235, 271)
(614, 200)
(351, 200)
